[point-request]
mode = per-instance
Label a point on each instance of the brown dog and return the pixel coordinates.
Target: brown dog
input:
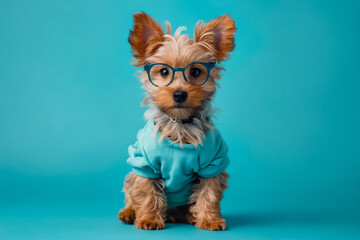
(179, 158)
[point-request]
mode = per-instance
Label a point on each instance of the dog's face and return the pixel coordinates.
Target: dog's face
(182, 98)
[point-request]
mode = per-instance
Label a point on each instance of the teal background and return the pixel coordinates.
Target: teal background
(288, 109)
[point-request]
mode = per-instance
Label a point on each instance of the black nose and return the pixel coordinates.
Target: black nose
(180, 96)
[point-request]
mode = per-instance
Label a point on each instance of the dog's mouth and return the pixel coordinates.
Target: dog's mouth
(179, 106)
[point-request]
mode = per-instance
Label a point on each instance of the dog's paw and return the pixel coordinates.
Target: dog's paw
(191, 218)
(150, 224)
(127, 216)
(218, 225)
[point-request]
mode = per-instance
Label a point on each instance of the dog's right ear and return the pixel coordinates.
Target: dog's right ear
(145, 37)
(218, 34)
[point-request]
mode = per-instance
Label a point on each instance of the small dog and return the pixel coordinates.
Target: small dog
(179, 158)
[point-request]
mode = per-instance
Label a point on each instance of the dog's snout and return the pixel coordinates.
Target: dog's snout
(180, 96)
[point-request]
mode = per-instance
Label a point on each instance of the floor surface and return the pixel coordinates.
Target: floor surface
(94, 222)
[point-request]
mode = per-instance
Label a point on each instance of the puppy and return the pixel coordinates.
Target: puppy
(179, 159)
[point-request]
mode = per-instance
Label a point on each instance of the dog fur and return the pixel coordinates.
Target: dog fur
(145, 201)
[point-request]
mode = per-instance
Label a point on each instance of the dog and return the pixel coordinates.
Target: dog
(179, 159)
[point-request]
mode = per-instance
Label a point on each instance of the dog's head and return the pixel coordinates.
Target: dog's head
(179, 73)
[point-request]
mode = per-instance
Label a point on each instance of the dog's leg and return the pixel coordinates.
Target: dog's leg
(127, 214)
(206, 202)
(148, 201)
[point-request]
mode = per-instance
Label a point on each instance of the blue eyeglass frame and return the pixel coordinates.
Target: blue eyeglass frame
(208, 67)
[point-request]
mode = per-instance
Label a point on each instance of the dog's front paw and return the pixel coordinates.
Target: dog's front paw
(150, 224)
(191, 218)
(218, 225)
(127, 216)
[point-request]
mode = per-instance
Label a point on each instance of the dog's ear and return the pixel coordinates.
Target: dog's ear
(218, 35)
(145, 37)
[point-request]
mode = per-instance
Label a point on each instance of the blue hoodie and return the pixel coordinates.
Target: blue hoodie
(177, 166)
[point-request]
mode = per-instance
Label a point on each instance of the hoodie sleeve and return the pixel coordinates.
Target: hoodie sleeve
(139, 162)
(214, 157)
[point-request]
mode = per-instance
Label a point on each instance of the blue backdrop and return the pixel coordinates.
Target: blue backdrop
(288, 109)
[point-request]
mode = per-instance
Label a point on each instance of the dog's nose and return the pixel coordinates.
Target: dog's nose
(180, 96)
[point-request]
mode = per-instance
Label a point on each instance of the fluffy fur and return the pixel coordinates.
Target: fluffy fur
(213, 41)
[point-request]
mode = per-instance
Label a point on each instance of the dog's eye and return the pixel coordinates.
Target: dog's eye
(164, 72)
(195, 72)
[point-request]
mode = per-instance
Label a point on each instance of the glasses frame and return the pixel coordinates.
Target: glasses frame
(208, 67)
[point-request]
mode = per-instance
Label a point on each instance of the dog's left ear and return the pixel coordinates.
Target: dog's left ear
(218, 35)
(145, 37)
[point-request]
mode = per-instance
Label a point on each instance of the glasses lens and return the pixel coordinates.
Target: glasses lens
(161, 75)
(196, 74)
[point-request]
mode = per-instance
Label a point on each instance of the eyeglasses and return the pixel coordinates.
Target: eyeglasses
(162, 75)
